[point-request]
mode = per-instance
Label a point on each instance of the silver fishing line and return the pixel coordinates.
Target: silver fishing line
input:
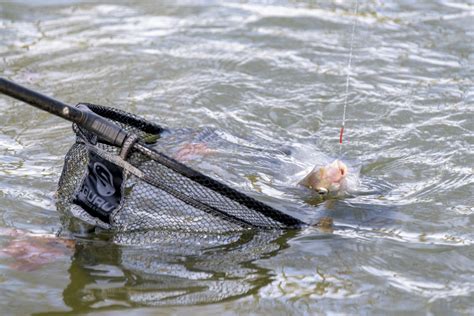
(348, 75)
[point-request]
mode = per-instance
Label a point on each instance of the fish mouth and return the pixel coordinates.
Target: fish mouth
(322, 191)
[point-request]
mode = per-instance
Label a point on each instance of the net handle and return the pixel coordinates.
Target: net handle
(94, 123)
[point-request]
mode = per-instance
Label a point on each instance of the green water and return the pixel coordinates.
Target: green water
(403, 244)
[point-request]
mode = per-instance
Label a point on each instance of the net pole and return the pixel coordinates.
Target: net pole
(94, 123)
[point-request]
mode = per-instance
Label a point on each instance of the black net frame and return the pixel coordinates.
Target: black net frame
(158, 192)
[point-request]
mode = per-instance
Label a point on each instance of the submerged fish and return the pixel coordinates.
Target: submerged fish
(281, 163)
(29, 251)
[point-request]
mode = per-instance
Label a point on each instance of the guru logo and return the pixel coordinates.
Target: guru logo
(105, 181)
(87, 195)
(100, 192)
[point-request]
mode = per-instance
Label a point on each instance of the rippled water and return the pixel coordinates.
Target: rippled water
(275, 73)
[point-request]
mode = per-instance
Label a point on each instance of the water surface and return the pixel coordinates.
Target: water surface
(275, 72)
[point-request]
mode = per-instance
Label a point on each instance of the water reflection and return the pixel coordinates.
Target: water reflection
(169, 268)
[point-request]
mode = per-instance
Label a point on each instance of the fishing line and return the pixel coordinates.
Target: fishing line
(356, 10)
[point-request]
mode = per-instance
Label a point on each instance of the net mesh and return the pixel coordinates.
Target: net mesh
(157, 191)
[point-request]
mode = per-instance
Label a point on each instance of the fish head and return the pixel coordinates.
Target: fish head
(327, 179)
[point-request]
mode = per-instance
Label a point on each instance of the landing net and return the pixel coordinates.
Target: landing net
(137, 187)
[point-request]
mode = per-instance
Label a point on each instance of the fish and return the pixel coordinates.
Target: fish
(29, 251)
(329, 179)
(192, 150)
(326, 180)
